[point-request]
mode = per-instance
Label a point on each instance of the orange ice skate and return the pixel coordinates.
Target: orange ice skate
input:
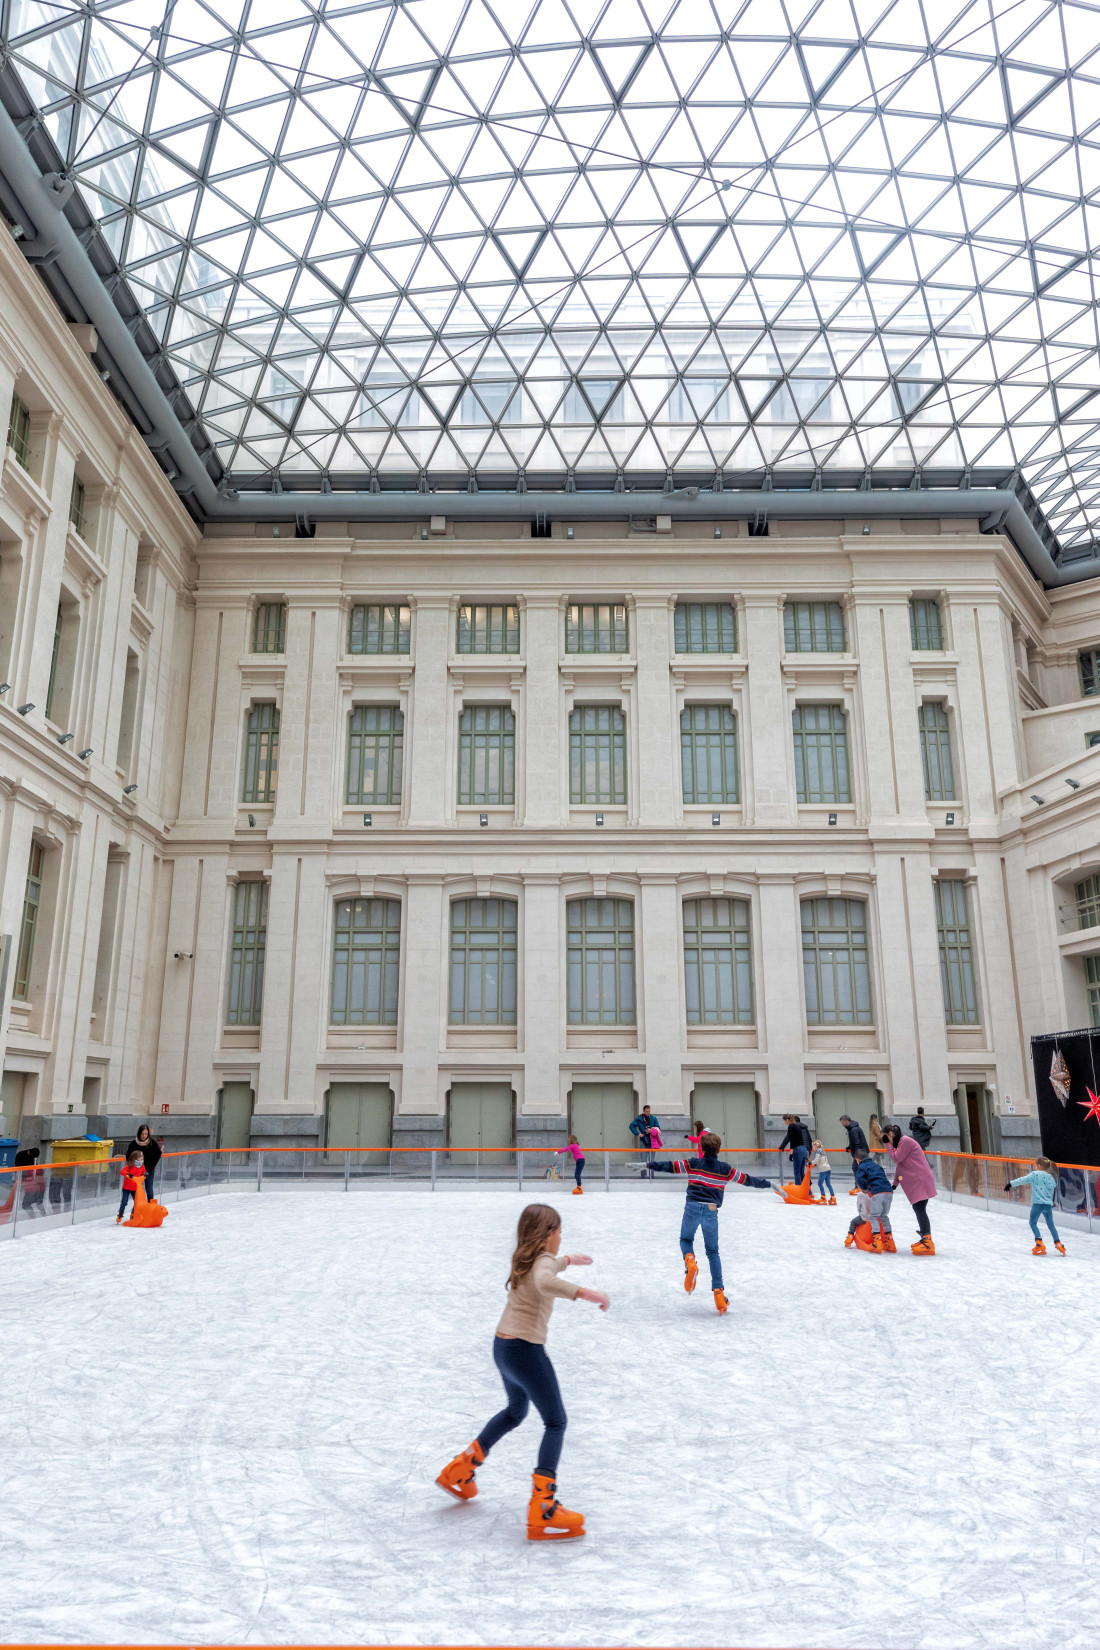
(547, 1519)
(849, 1239)
(457, 1477)
(691, 1273)
(832, 1200)
(721, 1302)
(578, 1191)
(889, 1247)
(1040, 1247)
(1061, 1248)
(923, 1246)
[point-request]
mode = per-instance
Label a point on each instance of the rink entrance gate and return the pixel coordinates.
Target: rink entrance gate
(832, 1100)
(600, 1114)
(730, 1110)
(479, 1115)
(235, 1117)
(358, 1114)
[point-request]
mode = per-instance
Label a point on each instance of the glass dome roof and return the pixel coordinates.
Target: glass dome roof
(769, 241)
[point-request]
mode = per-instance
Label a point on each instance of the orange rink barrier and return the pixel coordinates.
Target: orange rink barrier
(186, 1645)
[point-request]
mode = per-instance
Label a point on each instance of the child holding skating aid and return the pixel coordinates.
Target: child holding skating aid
(1043, 1185)
(708, 1178)
(821, 1163)
(874, 1195)
(575, 1152)
(519, 1352)
(133, 1174)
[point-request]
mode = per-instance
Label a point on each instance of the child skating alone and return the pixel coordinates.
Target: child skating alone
(708, 1178)
(820, 1162)
(519, 1352)
(577, 1155)
(1043, 1185)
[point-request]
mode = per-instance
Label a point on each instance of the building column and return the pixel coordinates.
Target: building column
(769, 721)
(193, 1012)
(16, 835)
(910, 1018)
(76, 924)
(888, 706)
(426, 746)
(541, 1012)
(658, 965)
(654, 742)
(542, 712)
(1000, 1009)
(295, 976)
(779, 1010)
(424, 1013)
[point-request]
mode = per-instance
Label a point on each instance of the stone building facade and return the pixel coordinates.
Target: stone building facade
(445, 818)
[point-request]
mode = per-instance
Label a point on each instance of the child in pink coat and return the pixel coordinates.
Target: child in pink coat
(578, 1163)
(913, 1173)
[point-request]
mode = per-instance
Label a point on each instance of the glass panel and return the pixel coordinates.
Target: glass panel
(718, 962)
(813, 627)
(1092, 981)
(376, 740)
(835, 962)
(366, 957)
(486, 755)
(246, 954)
(77, 510)
(261, 754)
(1088, 663)
(1087, 895)
(708, 754)
(935, 750)
(925, 628)
(960, 996)
(489, 629)
(705, 627)
(597, 755)
(600, 961)
(379, 628)
(269, 630)
(19, 432)
(596, 627)
(483, 962)
(821, 754)
(28, 928)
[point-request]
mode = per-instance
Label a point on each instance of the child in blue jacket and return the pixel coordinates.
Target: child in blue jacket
(1043, 1185)
(874, 1197)
(708, 1178)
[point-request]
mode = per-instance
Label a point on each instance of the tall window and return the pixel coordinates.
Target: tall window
(486, 755)
(246, 955)
(28, 928)
(821, 754)
(960, 995)
(269, 628)
(1087, 895)
(19, 432)
(718, 962)
(705, 627)
(935, 752)
(596, 627)
(925, 626)
(366, 956)
(708, 754)
(51, 691)
(1092, 983)
(483, 962)
(261, 754)
(1088, 665)
(78, 507)
(490, 629)
(813, 627)
(835, 962)
(379, 628)
(597, 754)
(600, 965)
(376, 738)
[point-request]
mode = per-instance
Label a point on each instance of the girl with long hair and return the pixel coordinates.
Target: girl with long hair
(519, 1352)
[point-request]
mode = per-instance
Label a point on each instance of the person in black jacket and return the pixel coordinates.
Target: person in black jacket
(921, 1129)
(708, 1178)
(798, 1141)
(857, 1140)
(143, 1142)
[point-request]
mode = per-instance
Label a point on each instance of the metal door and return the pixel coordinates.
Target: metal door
(359, 1114)
(235, 1117)
(479, 1115)
(600, 1114)
(831, 1100)
(730, 1110)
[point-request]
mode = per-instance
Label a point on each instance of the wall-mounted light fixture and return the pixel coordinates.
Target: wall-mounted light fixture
(128, 790)
(64, 738)
(84, 755)
(184, 956)
(483, 819)
(866, 529)
(599, 819)
(570, 533)
(718, 532)
(1074, 784)
(716, 819)
(4, 686)
(1039, 799)
(366, 819)
(24, 710)
(832, 819)
(950, 820)
(252, 821)
(423, 532)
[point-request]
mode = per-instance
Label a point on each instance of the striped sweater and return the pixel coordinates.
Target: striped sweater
(708, 1177)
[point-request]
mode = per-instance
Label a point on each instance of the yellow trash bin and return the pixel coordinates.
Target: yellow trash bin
(88, 1154)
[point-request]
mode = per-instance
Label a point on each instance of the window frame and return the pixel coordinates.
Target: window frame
(475, 742)
(505, 949)
(841, 782)
(401, 625)
(594, 978)
(78, 507)
(244, 991)
(919, 626)
(609, 765)
(260, 764)
(958, 965)
(1086, 897)
(500, 635)
(1092, 987)
(19, 432)
(383, 958)
(264, 629)
(736, 940)
(936, 752)
(694, 623)
(377, 738)
(817, 1013)
(1088, 676)
(28, 923)
(723, 747)
(825, 619)
(616, 627)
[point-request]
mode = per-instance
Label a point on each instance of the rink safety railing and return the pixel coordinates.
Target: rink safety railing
(59, 1194)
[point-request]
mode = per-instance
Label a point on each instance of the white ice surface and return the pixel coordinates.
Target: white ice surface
(227, 1430)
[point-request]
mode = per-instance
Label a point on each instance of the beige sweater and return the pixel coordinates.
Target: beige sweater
(527, 1313)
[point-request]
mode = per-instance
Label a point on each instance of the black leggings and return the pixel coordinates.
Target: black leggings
(578, 1167)
(529, 1378)
(921, 1211)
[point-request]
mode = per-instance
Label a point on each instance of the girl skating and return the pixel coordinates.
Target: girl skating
(1043, 1185)
(577, 1155)
(820, 1162)
(519, 1352)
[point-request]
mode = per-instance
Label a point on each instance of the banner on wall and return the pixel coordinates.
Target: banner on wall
(1067, 1069)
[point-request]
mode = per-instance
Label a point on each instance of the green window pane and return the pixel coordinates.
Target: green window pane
(489, 629)
(19, 432)
(813, 627)
(78, 514)
(269, 628)
(925, 627)
(28, 926)
(366, 956)
(596, 627)
(821, 754)
(1088, 664)
(1092, 739)
(376, 739)
(935, 752)
(1092, 982)
(835, 962)
(379, 628)
(486, 755)
(483, 962)
(600, 961)
(960, 995)
(718, 962)
(248, 943)
(1087, 894)
(705, 627)
(59, 626)
(597, 755)
(708, 754)
(261, 754)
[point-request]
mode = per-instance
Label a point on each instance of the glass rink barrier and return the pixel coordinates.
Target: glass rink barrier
(64, 1194)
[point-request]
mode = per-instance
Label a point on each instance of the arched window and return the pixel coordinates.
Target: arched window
(836, 962)
(366, 958)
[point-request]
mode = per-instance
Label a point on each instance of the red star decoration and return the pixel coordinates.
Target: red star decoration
(1091, 1105)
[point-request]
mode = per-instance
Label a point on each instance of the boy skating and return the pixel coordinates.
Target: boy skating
(874, 1195)
(708, 1178)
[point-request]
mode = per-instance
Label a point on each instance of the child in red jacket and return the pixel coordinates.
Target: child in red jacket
(132, 1176)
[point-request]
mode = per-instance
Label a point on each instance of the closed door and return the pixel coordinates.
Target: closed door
(359, 1114)
(831, 1100)
(600, 1114)
(479, 1115)
(730, 1110)
(235, 1117)
(11, 1095)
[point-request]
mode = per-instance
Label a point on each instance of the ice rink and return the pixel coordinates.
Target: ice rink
(228, 1430)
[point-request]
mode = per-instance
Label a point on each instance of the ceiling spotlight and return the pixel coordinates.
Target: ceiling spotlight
(128, 790)
(84, 755)
(63, 738)
(24, 709)
(1039, 799)
(252, 819)
(1074, 784)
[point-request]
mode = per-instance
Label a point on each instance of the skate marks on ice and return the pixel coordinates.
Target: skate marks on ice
(232, 1435)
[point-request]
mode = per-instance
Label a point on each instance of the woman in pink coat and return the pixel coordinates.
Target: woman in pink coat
(913, 1173)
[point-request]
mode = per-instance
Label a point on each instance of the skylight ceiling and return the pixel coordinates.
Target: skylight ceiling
(430, 239)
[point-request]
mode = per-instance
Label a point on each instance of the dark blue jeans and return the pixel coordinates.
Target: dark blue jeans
(696, 1215)
(798, 1163)
(149, 1173)
(529, 1378)
(577, 1167)
(126, 1196)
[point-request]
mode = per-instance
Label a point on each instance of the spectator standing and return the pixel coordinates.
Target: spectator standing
(921, 1129)
(857, 1142)
(33, 1181)
(875, 1139)
(642, 1129)
(144, 1143)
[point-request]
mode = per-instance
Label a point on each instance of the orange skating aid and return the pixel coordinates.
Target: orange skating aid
(691, 1273)
(547, 1519)
(457, 1477)
(864, 1240)
(721, 1302)
(1040, 1247)
(923, 1246)
(796, 1194)
(145, 1213)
